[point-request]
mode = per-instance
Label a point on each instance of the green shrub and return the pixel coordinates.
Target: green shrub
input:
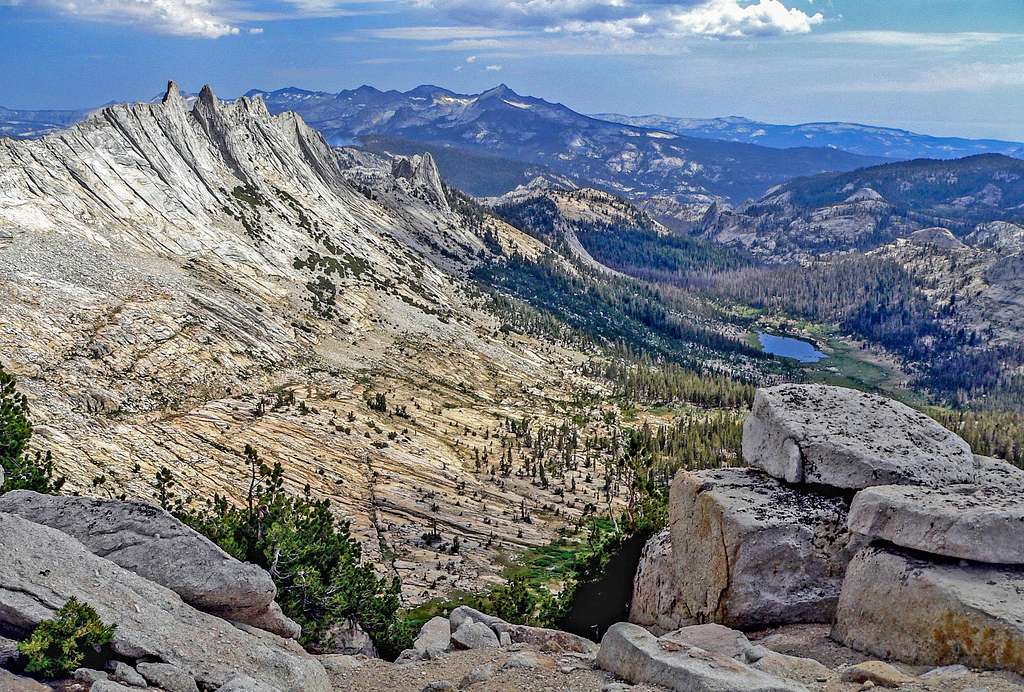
(60, 645)
(316, 564)
(21, 471)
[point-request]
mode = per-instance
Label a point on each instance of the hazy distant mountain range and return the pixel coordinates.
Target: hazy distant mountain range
(868, 140)
(637, 162)
(24, 124)
(491, 142)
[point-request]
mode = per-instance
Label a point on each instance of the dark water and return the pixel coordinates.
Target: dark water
(788, 347)
(600, 604)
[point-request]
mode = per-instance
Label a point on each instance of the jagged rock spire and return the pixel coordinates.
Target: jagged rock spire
(173, 95)
(207, 98)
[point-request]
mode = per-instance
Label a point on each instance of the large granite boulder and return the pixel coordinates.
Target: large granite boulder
(896, 605)
(972, 522)
(843, 438)
(656, 602)
(434, 638)
(751, 552)
(634, 654)
(147, 540)
(42, 568)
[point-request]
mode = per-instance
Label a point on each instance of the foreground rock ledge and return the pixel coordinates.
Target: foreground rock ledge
(898, 606)
(750, 552)
(843, 438)
(42, 568)
(979, 523)
(148, 541)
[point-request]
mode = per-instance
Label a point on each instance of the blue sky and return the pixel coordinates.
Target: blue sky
(937, 66)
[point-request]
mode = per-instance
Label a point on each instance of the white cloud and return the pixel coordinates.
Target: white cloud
(471, 59)
(493, 68)
(908, 39)
(440, 33)
(729, 19)
(256, 30)
(629, 19)
(336, 8)
(194, 18)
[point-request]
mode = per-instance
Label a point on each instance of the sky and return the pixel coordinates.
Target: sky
(946, 67)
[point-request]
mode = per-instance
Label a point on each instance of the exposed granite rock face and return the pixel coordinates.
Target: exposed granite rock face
(844, 438)
(896, 605)
(434, 638)
(656, 602)
(196, 259)
(43, 567)
(423, 176)
(150, 542)
(972, 522)
(751, 552)
(634, 654)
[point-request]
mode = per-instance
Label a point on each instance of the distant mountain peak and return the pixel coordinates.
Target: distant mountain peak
(500, 91)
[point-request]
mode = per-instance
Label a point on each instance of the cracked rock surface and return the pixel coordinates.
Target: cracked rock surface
(843, 438)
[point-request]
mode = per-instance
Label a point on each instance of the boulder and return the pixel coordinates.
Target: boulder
(43, 567)
(972, 522)
(474, 635)
(750, 552)
(999, 473)
(408, 656)
(147, 540)
(711, 637)
(167, 677)
(8, 652)
(634, 654)
(896, 605)
(806, 671)
(656, 604)
(547, 639)
(89, 675)
(539, 637)
(462, 613)
(110, 686)
(843, 438)
(244, 683)
(435, 637)
(126, 675)
(9, 682)
(349, 638)
(877, 672)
